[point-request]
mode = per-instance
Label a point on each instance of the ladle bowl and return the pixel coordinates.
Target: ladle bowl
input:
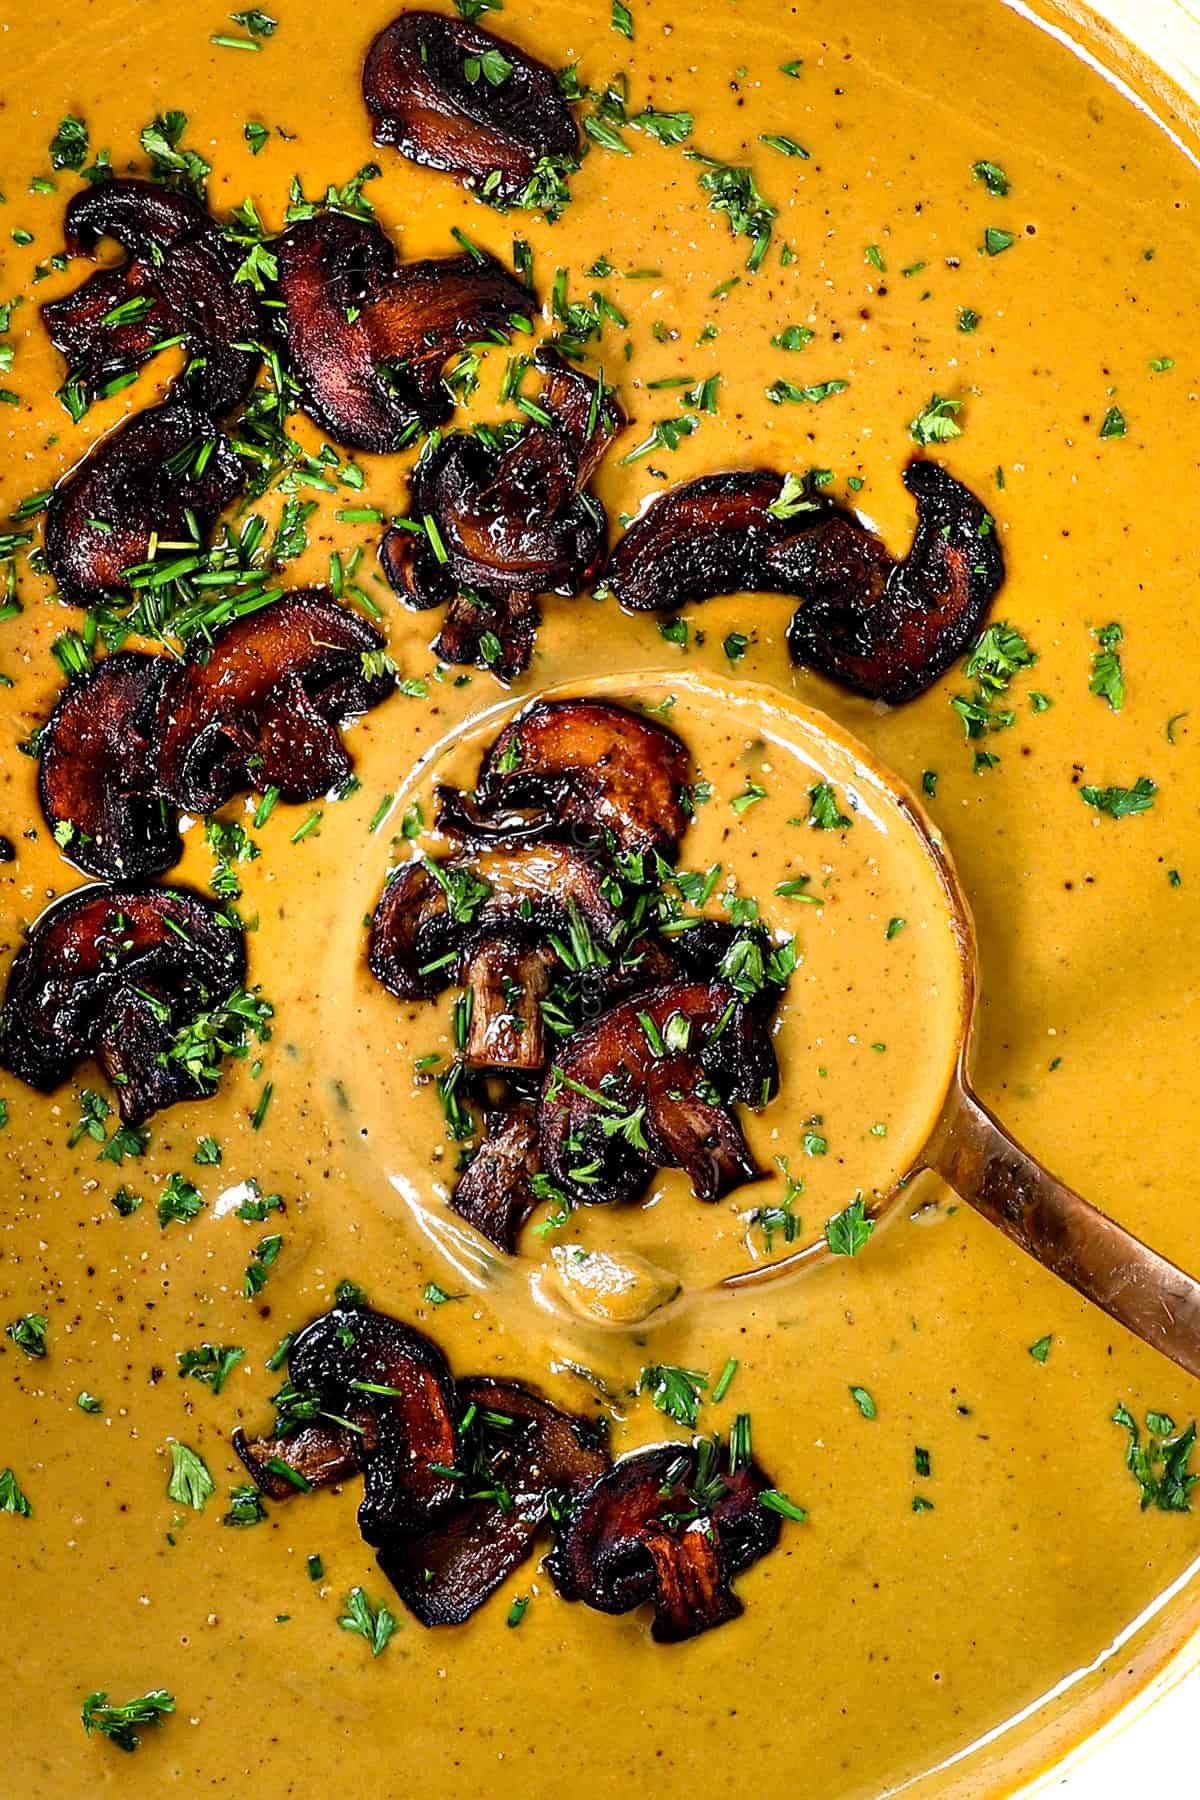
(950, 1133)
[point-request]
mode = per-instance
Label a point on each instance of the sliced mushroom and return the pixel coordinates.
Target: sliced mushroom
(119, 975)
(666, 1525)
(156, 479)
(495, 1192)
(490, 925)
(178, 281)
(878, 627)
(577, 768)
(521, 1458)
(887, 629)
(98, 779)
(367, 336)
(510, 521)
(649, 1085)
(453, 97)
(260, 706)
(386, 1405)
(316, 1455)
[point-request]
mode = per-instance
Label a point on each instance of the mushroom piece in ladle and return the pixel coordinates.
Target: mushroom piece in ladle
(581, 769)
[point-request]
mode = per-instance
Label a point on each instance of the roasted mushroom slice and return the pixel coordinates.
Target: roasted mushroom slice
(367, 336)
(510, 520)
(178, 281)
(577, 768)
(260, 706)
(295, 1462)
(98, 775)
(491, 925)
(521, 1460)
(650, 1085)
(495, 1192)
(888, 629)
(366, 1391)
(121, 975)
(156, 479)
(453, 97)
(671, 1525)
(878, 627)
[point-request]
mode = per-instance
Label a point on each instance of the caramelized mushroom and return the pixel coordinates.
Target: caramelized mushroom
(177, 281)
(453, 97)
(260, 706)
(510, 521)
(119, 975)
(98, 779)
(495, 1192)
(667, 1525)
(296, 1461)
(490, 925)
(520, 1457)
(878, 627)
(367, 336)
(386, 1404)
(155, 478)
(578, 768)
(649, 1085)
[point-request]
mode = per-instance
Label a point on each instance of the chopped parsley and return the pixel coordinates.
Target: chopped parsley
(1121, 802)
(189, 1483)
(849, 1231)
(674, 1391)
(374, 1623)
(29, 1333)
(936, 423)
(1160, 1466)
(12, 1500)
(1108, 676)
(123, 1723)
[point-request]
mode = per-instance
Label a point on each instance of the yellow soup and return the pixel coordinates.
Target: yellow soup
(966, 211)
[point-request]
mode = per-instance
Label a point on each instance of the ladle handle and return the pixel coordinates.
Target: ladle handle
(975, 1155)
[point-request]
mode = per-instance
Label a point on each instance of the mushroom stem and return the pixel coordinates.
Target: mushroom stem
(508, 982)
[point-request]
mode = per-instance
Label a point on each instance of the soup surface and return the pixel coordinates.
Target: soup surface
(965, 211)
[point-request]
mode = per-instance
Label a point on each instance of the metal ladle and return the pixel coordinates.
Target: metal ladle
(966, 1145)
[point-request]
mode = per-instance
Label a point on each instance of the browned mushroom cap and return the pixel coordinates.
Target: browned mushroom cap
(491, 925)
(260, 706)
(367, 336)
(649, 1085)
(577, 768)
(669, 1525)
(495, 1192)
(519, 1457)
(878, 627)
(119, 975)
(98, 780)
(177, 282)
(454, 97)
(512, 521)
(147, 480)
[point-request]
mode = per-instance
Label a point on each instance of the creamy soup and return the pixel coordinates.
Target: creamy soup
(966, 212)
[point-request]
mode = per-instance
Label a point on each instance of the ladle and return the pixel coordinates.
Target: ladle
(964, 1143)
